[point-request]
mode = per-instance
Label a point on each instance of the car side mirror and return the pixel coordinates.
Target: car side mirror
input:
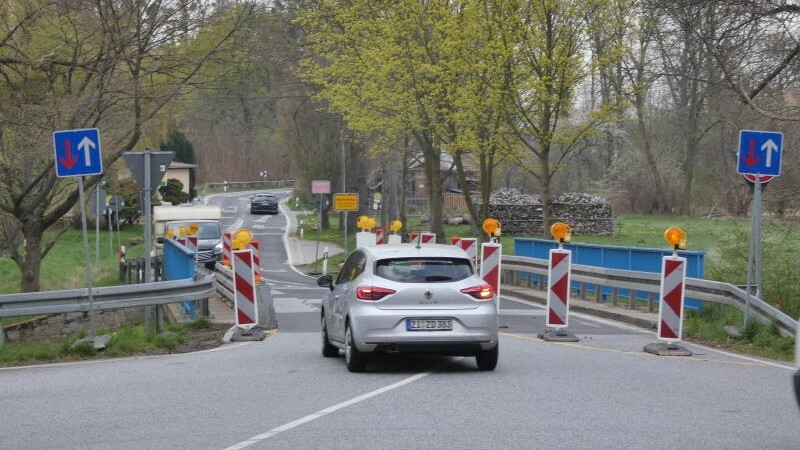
(325, 281)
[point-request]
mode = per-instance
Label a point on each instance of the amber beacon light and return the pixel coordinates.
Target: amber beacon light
(561, 232)
(676, 237)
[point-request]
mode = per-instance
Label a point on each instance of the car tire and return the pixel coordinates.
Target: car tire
(328, 350)
(487, 359)
(356, 360)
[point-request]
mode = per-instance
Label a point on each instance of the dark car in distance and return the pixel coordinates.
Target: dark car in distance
(264, 203)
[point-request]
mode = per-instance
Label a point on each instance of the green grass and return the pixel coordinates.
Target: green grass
(64, 266)
(707, 326)
(128, 340)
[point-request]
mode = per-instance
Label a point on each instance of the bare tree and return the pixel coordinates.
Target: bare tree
(110, 64)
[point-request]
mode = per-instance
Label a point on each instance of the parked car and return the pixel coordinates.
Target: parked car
(409, 298)
(264, 202)
(797, 364)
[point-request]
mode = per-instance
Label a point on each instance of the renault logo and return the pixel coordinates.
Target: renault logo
(428, 295)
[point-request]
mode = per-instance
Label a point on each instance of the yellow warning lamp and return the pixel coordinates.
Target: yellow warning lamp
(363, 223)
(182, 232)
(241, 238)
(370, 223)
(396, 225)
(170, 233)
(676, 237)
(561, 232)
(491, 227)
(193, 227)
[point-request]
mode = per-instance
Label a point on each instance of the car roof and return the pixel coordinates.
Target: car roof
(265, 194)
(410, 250)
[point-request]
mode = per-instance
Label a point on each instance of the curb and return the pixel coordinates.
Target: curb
(599, 311)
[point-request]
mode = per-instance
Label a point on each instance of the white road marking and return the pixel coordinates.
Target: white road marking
(324, 412)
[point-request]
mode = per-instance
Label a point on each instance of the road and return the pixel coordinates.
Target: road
(602, 392)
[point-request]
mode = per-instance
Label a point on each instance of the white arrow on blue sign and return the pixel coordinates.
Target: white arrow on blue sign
(760, 152)
(77, 152)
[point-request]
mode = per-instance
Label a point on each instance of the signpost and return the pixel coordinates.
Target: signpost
(345, 202)
(148, 168)
(321, 188)
(77, 153)
(759, 160)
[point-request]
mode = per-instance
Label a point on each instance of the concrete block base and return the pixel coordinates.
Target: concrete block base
(667, 349)
(558, 336)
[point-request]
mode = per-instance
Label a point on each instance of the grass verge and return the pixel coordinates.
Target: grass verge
(126, 341)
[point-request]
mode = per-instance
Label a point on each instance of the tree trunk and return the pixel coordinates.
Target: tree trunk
(433, 176)
(462, 181)
(30, 263)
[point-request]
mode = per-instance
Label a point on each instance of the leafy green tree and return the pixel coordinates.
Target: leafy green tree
(184, 152)
(173, 192)
(549, 68)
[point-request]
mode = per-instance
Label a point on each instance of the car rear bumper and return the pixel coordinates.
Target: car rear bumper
(385, 330)
(265, 209)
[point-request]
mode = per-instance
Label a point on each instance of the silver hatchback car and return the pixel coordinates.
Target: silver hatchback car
(409, 298)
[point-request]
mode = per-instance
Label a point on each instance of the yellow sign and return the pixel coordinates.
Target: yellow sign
(345, 202)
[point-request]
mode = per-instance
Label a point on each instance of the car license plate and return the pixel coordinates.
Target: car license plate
(429, 324)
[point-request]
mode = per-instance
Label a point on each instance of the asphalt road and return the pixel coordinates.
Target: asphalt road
(603, 392)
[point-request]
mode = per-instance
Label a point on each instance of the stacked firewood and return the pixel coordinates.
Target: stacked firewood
(521, 214)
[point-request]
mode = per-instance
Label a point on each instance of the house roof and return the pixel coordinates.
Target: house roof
(181, 165)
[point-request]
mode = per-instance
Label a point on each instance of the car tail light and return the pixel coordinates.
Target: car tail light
(482, 292)
(372, 292)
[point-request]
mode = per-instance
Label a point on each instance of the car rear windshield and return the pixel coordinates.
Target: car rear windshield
(423, 270)
(263, 197)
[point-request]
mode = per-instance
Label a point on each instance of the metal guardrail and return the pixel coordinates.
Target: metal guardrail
(111, 297)
(705, 290)
(104, 298)
(250, 184)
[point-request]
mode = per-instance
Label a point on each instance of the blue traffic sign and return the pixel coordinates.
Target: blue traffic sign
(77, 152)
(760, 152)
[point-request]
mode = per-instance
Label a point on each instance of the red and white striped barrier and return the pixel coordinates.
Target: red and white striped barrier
(558, 277)
(244, 296)
(227, 239)
(379, 236)
(490, 267)
(469, 245)
(191, 244)
(670, 311)
(255, 246)
(423, 238)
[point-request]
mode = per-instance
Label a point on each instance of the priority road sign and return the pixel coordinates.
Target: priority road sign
(77, 152)
(760, 152)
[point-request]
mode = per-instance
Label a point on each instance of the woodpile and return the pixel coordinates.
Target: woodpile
(521, 214)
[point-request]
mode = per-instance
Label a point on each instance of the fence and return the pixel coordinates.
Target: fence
(249, 184)
(132, 271)
(593, 281)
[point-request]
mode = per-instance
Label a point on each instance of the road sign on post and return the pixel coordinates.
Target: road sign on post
(345, 202)
(77, 152)
(760, 152)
